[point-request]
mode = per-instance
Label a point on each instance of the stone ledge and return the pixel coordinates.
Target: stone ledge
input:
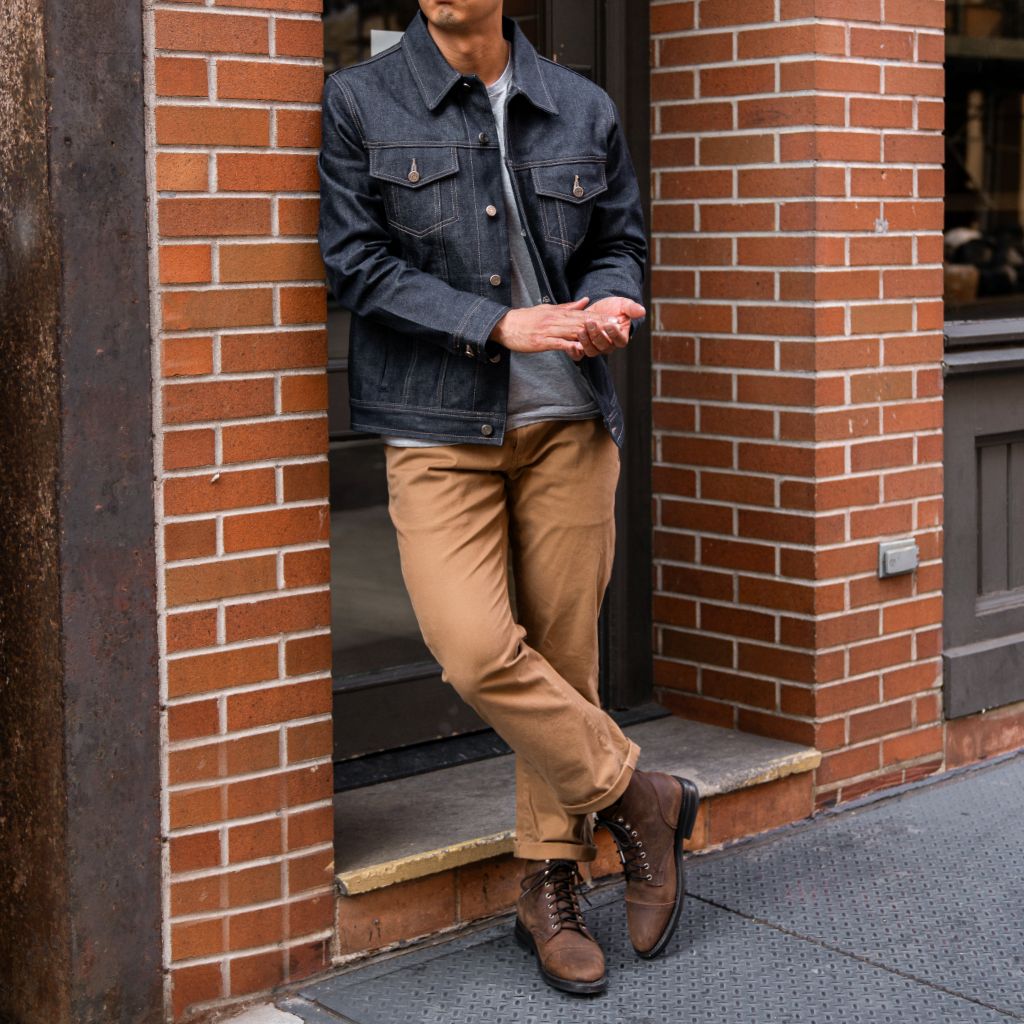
(414, 827)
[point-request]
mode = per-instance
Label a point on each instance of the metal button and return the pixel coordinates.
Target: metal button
(495, 279)
(491, 211)
(484, 138)
(469, 351)
(545, 298)
(496, 358)
(486, 429)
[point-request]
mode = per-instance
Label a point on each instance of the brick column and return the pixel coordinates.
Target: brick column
(234, 90)
(797, 273)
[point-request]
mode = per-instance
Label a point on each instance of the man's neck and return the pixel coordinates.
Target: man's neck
(484, 53)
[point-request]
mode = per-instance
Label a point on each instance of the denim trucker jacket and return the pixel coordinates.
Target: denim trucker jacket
(413, 233)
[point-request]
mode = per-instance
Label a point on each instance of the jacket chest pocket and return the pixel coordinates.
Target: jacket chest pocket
(418, 184)
(565, 193)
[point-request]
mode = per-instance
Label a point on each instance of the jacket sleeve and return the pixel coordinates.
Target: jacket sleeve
(363, 272)
(616, 242)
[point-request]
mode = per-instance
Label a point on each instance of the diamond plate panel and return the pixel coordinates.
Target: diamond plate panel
(721, 969)
(927, 886)
(930, 883)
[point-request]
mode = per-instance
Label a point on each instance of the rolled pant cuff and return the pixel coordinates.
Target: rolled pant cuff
(555, 851)
(618, 787)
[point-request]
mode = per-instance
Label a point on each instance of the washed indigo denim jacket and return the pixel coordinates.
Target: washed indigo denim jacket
(410, 180)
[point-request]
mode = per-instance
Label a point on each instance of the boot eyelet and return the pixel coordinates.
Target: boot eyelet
(633, 833)
(619, 820)
(648, 878)
(554, 926)
(647, 866)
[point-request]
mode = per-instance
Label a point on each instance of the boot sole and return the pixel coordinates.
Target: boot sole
(684, 829)
(576, 988)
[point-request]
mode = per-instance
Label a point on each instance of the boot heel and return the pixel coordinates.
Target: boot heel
(688, 811)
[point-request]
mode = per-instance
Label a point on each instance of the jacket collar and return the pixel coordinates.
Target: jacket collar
(435, 77)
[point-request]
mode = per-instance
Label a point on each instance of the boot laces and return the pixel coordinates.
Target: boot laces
(635, 865)
(561, 880)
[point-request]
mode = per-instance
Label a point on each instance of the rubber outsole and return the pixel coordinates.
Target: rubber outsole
(684, 829)
(575, 988)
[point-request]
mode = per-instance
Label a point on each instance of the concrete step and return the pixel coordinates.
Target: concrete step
(408, 829)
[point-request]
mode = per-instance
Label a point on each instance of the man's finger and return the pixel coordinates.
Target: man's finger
(575, 304)
(598, 338)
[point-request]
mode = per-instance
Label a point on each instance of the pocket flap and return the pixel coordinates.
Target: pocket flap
(413, 166)
(574, 182)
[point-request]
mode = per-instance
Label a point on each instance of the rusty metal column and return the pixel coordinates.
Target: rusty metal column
(80, 940)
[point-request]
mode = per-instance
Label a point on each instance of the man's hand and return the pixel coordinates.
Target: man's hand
(607, 324)
(544, 327)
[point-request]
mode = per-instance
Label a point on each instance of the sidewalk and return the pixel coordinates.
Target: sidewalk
(907, 909)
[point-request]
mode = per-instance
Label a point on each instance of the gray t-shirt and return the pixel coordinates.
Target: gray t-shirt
(541, 385)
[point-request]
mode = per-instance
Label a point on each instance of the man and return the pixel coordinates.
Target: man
(481, 218)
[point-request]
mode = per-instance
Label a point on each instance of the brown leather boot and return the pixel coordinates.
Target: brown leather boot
(549, 922)
(649, 823)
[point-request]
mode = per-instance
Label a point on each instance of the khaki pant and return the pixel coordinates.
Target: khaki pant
(545, 496)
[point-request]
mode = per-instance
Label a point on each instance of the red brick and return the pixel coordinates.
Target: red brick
(848, 763)
(212, 126)
(236, 307)
(307, 568)
(790, 39)
(218, 400)
(882, 44)
(273, 261)
(881, 113)
(303, 305)
(298, 129)
(919, 81)
(710, 47)
(184, 218)
(279, 703)
(276, 350)
(298, 216)
(258, 972)
(185, 357)
(192, 539)
(188, 630)
(277, 615)
(185, 264)
(279, 439)
(737, 79)
(249, 80)
(205, 493)
(919, 743)
(225, 577)
(182, 172)
(178, 76)
(913, 614)
(194, 984)
(291, 6)
(299, 38)
(221, 670)
(211, 33)
(674, 17)
(276, 528)
(879, 654)
(266, 172)
(693, 116)
(192, 720)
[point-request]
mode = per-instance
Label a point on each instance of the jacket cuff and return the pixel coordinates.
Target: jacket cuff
(473, 335)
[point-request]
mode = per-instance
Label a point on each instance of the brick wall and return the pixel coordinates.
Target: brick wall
(797, 220)
(239, 306)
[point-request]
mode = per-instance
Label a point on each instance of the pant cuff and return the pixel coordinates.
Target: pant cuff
(554, 851)
(617, 788)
